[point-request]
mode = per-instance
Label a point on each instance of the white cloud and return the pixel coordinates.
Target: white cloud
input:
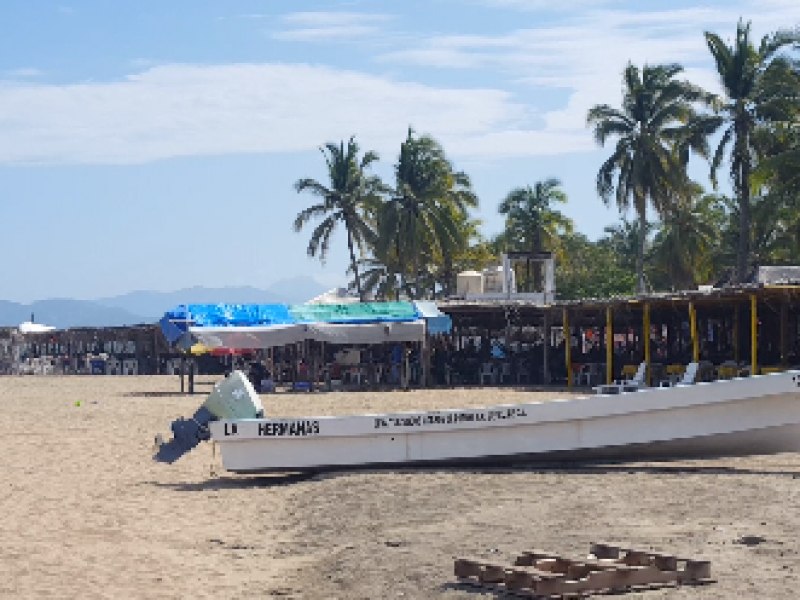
(586, 53)
(316, 34)
(181, 110)
(318, 26)
(540, 5)
(24, 73)
(333, 19)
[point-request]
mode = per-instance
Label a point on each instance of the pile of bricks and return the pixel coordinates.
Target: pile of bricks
(608, 569)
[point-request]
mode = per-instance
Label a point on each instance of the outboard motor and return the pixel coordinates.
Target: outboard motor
(232, 398)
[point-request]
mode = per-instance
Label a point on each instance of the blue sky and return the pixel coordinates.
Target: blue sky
(154, 144)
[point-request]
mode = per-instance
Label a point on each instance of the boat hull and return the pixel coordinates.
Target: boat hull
(755, 415)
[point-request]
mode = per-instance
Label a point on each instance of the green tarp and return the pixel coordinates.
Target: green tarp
(368, 312)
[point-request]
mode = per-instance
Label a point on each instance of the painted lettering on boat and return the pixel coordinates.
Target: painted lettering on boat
(288, 428)
(450, 418)
(231, 429)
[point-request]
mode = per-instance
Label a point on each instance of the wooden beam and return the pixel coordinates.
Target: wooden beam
(693, 327)
(736, 317)
(568, 348)
(646, 341)
(785, 332)
(546, 350)
(753, 334)
(609, 346)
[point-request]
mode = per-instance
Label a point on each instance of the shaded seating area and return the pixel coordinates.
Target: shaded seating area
(316, 346)
(727, 332)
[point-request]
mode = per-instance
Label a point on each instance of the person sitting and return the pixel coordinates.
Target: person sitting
(267, 385)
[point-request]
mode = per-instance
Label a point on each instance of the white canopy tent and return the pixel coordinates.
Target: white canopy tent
(251, 338)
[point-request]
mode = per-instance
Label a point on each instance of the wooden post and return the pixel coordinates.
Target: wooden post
(568, 348)
(427, 379)
(736, 334)
(693, 327)
(271, 365)
(546, 350)
(646, 341)
(753, 335)
(312, 367)
(784, 332)
(405, 370)
(609, 346)
(191, 375)
(183, 370)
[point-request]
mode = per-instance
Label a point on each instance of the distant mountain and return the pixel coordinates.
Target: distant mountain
(148, 307)
(154, 304)
(297, 290)
(66, 312)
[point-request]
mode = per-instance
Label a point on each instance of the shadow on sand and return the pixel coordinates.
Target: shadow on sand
(225, 482)
(237, 483)
(154, 394)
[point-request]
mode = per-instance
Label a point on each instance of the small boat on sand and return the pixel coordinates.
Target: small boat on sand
(751, 415)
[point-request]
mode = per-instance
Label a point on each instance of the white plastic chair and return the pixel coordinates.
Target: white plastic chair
(584, 376)
(630, 385)
(689, 376)
(487, 370)
(505, 373)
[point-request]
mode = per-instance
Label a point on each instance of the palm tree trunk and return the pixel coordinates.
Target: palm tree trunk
(354, 264)
(743, 255)
(447, 272)
(401, 275)
(640, 288)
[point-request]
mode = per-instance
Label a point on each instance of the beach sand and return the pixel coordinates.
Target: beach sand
(87, 514)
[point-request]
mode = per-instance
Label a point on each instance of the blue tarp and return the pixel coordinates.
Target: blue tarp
(176, 322)
(437, 322)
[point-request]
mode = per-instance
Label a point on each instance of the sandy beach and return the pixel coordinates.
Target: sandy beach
(87, 514)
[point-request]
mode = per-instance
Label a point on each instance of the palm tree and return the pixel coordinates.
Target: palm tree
(758, 86)
(379, 278)
(779, 169)
(351, 196)
(462, 252)
(623, 240)
(429, 192)
(652, 123)
(532, 224)
(773, 230)
(684, 246)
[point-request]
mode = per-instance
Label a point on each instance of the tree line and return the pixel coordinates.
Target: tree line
(410, 238)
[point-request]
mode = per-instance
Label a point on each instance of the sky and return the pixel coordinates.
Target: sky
(153, 145)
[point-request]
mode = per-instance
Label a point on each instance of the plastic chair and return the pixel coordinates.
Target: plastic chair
(584, 375)
(487, 370)
(689, 376)
(629, 385)
(505, 373)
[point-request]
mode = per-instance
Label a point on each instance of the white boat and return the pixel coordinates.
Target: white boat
(753, 415)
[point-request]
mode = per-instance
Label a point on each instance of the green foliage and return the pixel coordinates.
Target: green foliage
(653, 139)
(425, 221)
(685, 246)
(411, 239)
(760, 87)
(351, 196)
(591, 270)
